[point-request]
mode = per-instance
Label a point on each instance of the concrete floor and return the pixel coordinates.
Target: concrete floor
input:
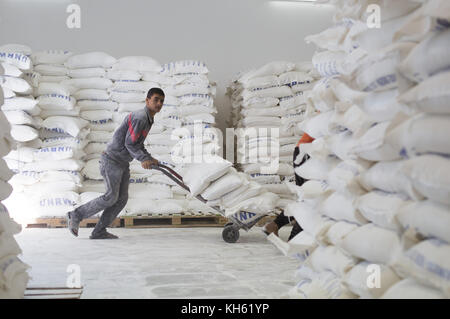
(160, 263)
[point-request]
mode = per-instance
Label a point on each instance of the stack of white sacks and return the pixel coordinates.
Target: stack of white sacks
(188, 100)
(376, 212)
(87, 76)
(48, 178)
(267, 104)
(13, 272)
(148, 191)
(188, 117)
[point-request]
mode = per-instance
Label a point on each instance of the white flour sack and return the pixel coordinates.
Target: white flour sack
(272, 68)
(19, 60)
(428, 218)
(329, 63)
(359, 276)
(378, 71)
(137, 63)
(371, 145)
(55, 204)
(64, 141)
(198, 176)
(152, 206)
(390, 177)
(428, 262)
(381, 106)
(317, 168)
(318, 125)
(261, 82)
(54, 70)
(180, 67)
(372, 243)
(344, 175)
(65, 125)
(123, 75)
(409, 288)
(311, 221)
(341, 206)
(128, 97)
(57, 153)
(56, 102)
(89, 83)
(261, 204)
(149, 190)
(90, 60)
(424, 133)
(240, 194)
(430, 96)
(430, 176)
(225, 184)
(9, 69)
(278, 91)
(13, 277)
(59, 165)
(17, 85)
(33, 78)
(51, 56)
(427, 58)
(91, 169)
(21, 103)
(330, 258)
(382, 208)
(91, 94)
(49, 187)
(337, 232)
(23, 133)
(54, 88)
(332, 39)
(324, 285)
(86, 73)
(99, 115)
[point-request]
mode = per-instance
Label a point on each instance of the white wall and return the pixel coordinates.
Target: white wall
(229, 35)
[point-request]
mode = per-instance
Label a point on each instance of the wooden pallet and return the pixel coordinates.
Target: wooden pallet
(52, 293)
(174, 220)
(61, 222)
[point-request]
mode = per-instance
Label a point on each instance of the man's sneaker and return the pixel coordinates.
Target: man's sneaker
(104, 235)
(73, 223)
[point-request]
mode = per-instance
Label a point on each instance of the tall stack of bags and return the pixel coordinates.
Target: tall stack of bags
(13, 272)
(188, 116)
(47, 180)
(270, 101)
(377, 201)
(87, 76)
(147, 192)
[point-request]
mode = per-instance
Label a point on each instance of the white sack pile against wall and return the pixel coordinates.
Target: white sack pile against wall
(47, 179)
(268, 102)
(13, 272)
(378, 197)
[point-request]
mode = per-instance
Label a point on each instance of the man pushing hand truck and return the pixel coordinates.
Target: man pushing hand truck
(127, 144)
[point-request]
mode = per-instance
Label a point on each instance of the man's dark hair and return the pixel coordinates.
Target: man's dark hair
(155, 91)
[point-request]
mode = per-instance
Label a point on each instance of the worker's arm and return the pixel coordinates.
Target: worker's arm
(134, 142)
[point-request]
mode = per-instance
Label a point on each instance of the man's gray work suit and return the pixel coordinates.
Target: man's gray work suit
(127, 143)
